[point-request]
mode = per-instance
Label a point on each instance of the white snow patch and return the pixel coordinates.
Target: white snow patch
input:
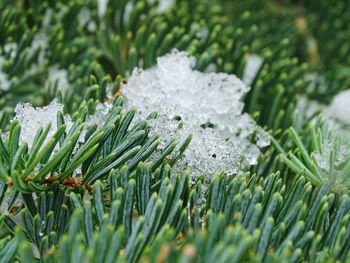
(252, 68)
(32, 118)
(208, 153)
(174, 89)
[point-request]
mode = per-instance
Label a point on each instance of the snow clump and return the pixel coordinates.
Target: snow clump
(210, 105)
(32, 118)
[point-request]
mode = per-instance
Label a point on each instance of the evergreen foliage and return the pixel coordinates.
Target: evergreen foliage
(128, 203)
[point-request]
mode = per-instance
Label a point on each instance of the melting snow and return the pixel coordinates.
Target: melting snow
(200, 100)
(31, 119)
(208, 153)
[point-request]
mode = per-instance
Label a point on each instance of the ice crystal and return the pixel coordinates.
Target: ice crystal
(208, 153)
(31, 119)
(173, 88)
(213, 100)
(168, 128)
(263, 138)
